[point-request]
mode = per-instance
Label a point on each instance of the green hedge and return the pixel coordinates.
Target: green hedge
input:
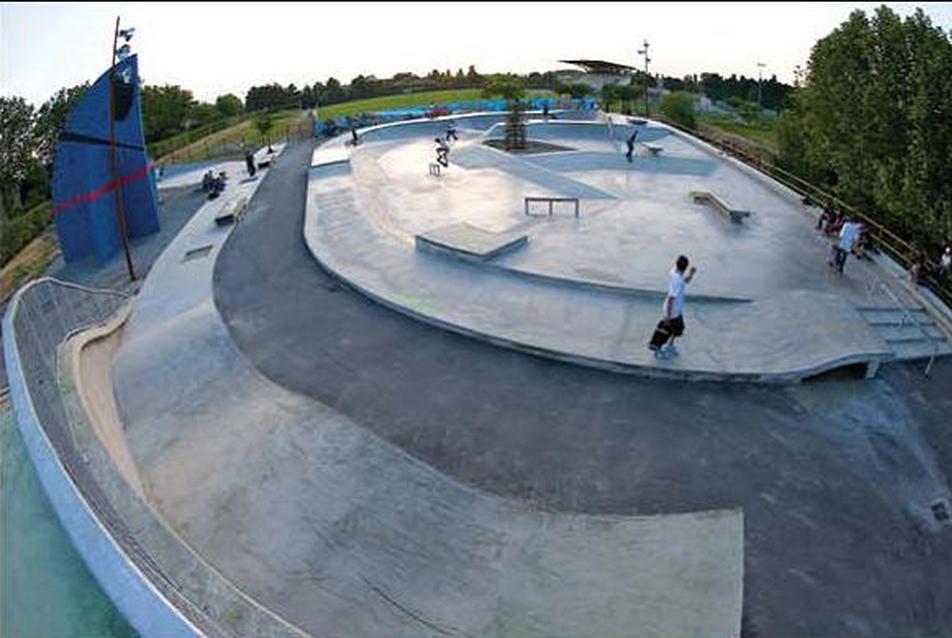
(17, 232)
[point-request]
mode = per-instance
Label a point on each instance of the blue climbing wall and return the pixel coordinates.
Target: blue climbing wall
(84, 192)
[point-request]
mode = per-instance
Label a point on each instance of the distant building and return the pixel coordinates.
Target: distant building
(595, 73)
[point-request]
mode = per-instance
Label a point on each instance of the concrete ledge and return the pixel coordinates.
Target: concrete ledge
(469, 242)
(718, 203)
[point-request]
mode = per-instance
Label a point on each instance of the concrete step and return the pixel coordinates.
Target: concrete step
(892, 316)
(921, 349)
(909, 332)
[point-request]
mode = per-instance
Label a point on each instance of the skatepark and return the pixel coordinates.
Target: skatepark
(405, 402)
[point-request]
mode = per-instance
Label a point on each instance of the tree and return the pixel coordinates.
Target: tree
(610, 95)
(510, 88)
(228, 105)
(51, 119)
(164, 110)
(678, 107)
(580, 90)
(872, 121)
(17, 142)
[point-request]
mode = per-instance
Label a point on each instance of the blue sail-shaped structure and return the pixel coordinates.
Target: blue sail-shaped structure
(84, 187)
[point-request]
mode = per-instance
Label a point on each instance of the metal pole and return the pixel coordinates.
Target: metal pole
(760, 84)
(114, 156)
(644, 52)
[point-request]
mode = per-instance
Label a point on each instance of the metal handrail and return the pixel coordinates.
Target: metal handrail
(550, 201)
(906, 313)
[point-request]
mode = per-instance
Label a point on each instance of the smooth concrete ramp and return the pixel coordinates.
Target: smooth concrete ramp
(344, 534)
(469, 242)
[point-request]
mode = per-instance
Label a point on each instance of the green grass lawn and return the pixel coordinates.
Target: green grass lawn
(227, 141)
(406, 100)
(763, 132)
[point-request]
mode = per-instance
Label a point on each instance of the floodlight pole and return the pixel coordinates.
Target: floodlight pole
(644, 52)
(114, 158)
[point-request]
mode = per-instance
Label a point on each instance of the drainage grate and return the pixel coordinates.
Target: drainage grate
(197, 253)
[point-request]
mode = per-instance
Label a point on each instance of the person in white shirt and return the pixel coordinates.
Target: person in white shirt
(672, 321)
(945, 264)
(848, 235)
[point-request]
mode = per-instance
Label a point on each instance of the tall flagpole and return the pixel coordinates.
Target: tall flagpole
(114, 156)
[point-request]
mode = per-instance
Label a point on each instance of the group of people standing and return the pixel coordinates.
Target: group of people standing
(852, 236)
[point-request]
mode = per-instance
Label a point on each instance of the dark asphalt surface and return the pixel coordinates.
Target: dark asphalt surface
(835, 476)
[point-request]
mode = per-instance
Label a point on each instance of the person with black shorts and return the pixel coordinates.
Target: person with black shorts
(631, 145)
(671, 325)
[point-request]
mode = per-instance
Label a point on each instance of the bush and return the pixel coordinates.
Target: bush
(679, 108)
(17, 232)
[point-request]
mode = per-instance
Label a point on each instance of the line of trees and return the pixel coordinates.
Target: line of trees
(275, 96)
(873, 121)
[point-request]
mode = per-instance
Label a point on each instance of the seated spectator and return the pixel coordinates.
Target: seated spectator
(835, 225)
(217, 185)
(863, 241)
(826, 217)
(207, 180)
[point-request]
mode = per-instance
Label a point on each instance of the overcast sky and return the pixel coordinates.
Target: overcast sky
(213, 49)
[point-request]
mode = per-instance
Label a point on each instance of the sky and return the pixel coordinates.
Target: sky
(213, 49)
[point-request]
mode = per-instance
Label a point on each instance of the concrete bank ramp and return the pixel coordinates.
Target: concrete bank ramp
(344, 534)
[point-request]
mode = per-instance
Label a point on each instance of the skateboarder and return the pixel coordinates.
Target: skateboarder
(442, 152)
(671, 325)
(631, 145)
(451, 132)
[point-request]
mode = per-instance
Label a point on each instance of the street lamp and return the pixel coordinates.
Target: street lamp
(122, 53)
(644, 52)
(760, 84)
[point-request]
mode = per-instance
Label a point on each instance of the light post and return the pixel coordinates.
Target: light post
(113, 152)
(760, 85)
(644, 52)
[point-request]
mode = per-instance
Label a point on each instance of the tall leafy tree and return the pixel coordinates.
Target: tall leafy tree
(228, 105)
(510, 88)
(873, 120)
(164, 110)
(51, 119)
(17, 144)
